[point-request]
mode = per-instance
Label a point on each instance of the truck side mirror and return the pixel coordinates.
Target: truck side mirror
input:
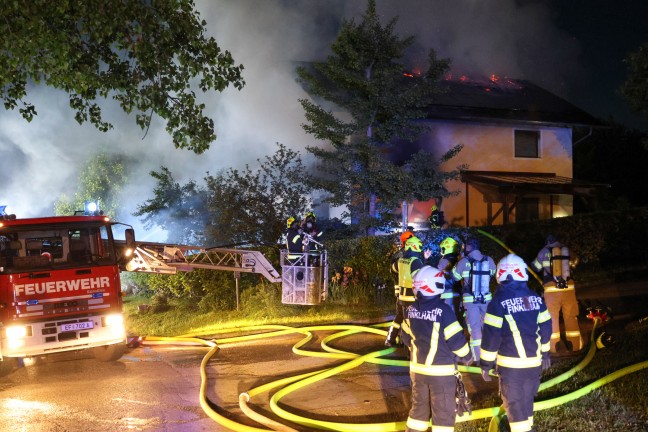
(129, 233)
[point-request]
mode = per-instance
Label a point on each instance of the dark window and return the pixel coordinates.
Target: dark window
(527, 209)
(527, 144)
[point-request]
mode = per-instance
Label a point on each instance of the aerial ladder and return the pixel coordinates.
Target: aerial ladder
(304, 280)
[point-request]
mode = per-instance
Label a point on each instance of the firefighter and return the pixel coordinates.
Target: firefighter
(294, 240)
(474, 271)
(553, 263)
(517, 330)
(310, 238)
(404, 267)
(435, 339)
(449, 257)
(436, 218)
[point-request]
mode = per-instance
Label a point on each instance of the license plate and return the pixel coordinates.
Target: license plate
(76, 326)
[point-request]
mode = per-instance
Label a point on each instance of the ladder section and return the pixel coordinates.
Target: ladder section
(169, 259)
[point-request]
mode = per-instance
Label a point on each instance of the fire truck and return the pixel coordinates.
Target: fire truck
(59, 286)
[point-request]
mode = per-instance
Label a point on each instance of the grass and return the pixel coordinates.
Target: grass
(182, 318)
(620, 405)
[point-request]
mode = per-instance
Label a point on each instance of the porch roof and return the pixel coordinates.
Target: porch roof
(534, 183)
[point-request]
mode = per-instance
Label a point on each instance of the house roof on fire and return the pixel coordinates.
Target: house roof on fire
(505, 100)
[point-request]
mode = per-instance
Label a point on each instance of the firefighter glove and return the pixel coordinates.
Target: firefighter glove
(546, 361)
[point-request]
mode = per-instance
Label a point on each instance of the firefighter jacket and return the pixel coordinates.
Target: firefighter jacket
(294, 242)
(434, 336)
(517, 328)
(475, 271)
(552, 263)
(405, 267)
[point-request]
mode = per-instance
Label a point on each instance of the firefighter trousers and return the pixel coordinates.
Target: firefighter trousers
(433, 397)
(564, 300)
(518, 388)
(475, 313)
(395, 328)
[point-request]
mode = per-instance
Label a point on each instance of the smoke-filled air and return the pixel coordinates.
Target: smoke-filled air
(40, 160)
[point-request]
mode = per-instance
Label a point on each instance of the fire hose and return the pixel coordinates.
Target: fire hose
(294, 383)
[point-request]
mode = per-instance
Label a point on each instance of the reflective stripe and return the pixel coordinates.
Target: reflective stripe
(517, 338)
(554, 289)
(488, 355)
(417, 424)
(434, 344)
(447, 295)
(463, 351)
(555, 335)
(432, 370)
(468, 298)
(406, 298)
(493, 320)
(452, 330)
(442, 428)
(571, 334)
(475, 342)
(396, 325)
(543, 316)
(518, 363)
(521, 426)
(546, 347)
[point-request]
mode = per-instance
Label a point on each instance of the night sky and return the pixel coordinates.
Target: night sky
(606, 31)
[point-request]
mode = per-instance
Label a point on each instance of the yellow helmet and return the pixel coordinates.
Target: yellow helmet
(310, 214)
(449, 245)
(290, 221)
(414, 244)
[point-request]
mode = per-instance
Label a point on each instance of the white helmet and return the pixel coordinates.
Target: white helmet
(429, 281)
(512, 265)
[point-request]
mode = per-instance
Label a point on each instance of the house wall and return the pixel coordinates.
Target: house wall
(491, 148)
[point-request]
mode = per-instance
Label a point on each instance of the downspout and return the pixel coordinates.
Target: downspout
(589, 134)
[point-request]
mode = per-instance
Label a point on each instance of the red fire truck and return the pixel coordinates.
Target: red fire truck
(59, 287)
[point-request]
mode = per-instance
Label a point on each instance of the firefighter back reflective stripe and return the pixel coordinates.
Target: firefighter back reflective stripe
(61, 286)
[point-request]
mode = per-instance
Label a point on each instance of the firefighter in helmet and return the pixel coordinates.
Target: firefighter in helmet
(474, 272)
(311, 238)
(553, 263)
(436, 340)
(404, 267)
(450, 249)
(294, 240)
(515, 341)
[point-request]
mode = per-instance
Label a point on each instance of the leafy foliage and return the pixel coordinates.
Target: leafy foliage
(635, 88)
(233, 207)
(364, 78)
(145, 55)
(178, 209)
(101, 179)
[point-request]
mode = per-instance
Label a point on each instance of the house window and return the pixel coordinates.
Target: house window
(527, 144)
(527, 209)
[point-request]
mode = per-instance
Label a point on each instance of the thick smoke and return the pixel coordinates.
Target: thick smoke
(40, 160)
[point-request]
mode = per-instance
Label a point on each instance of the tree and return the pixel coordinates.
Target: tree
(635, 88)
(232, 207)
(143, 54)
(101, 179)
(180, 210)
(364, 78)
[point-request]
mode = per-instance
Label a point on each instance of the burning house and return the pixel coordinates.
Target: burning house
(517, 148)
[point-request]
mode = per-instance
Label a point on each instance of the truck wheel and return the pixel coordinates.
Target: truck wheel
(109, 353)
(7, 365)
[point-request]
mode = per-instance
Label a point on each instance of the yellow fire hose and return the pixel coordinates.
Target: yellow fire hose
(291, 384)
